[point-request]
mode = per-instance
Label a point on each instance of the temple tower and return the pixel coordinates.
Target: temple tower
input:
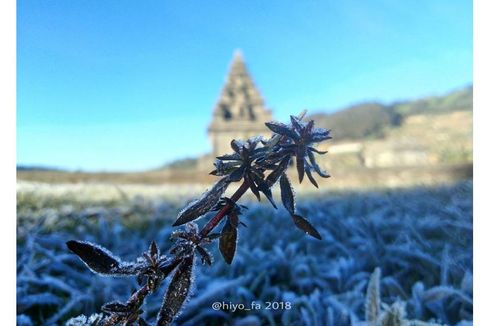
(240, 112)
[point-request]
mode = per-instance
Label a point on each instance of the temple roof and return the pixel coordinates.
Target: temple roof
(240, 102)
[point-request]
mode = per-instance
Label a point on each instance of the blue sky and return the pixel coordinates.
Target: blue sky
(130, 85)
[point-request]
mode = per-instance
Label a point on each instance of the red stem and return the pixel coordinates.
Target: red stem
(222, 212)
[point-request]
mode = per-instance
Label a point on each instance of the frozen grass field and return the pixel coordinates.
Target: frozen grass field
(420, 238)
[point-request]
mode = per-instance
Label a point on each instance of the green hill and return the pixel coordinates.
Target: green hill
(359, 121)
(371, 120)
(460, 100)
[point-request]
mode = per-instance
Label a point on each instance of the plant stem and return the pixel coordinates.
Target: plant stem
(222, 212)
(135, 301)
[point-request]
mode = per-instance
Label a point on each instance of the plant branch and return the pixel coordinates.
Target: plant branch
(222, 212)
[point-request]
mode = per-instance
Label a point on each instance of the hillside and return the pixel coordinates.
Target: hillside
(371, 120)
(358, 121)
(459, 100)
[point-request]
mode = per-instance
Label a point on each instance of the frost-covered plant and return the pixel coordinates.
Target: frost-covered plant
(378, 313)
(258, 164)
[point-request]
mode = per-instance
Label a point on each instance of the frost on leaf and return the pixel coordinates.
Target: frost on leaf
(372, 305)
(202, 205)
(227, 241)
(167, 266)
(205, 255)
(282, 129)
(98, 259)
(82, 320)
(315, 165)
(300, 162)
(304, 225)
(154, 251)
(394, 316)
(264, 187)
(310, 175)
(177, 292)
(287, 195)
(274, 176)
(319, 135)
(116, 307)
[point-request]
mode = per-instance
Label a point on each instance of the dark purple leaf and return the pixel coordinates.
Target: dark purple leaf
(304, 225)
(227, 242)
(258, 153)
(309, 127)
(296, 123)
(236, 145)
(237, 175)
(310, 176)
(272, 142)
(202, 205)
(272, 159)
(154, 283)
(287, 194)
(265, 189)
(233, 218)
(253, 142)
(281, 129)
(178, 248)
(223, 168)
(278, 171)
(116, 307)
(300, 163)
(181, 235)
(311, 148)
(154, 251)
(148, 258)
(205, 255)
(177, 292)
(287, 148)
(98, 259)
(213, 236)
(253, 187)
(166, 267)
(229, 157)
(245, 154)
(319, 134)
(323, 174)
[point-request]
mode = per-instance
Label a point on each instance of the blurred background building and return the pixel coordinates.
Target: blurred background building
(240, 112)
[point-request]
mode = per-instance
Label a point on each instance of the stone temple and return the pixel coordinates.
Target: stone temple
(240, 112)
